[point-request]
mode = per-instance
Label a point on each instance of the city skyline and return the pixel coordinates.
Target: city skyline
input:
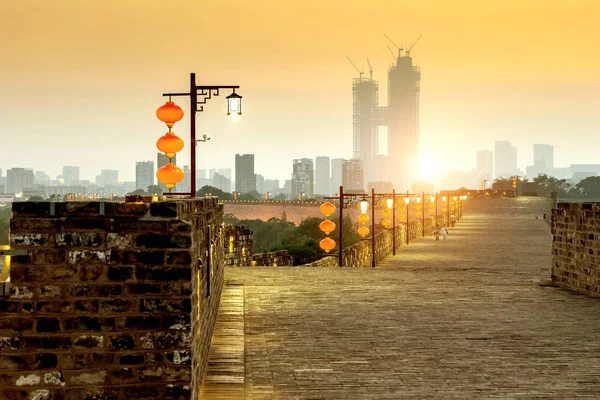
(514, 90)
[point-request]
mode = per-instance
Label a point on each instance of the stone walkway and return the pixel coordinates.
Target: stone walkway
(468, 318)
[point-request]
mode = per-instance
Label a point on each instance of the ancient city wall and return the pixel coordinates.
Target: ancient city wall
(359, 254)
(576, 247)
(112, 300)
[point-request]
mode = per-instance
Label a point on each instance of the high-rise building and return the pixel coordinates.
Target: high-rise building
(272, 185)
(505, 160)
(2, 182)
(226, 172)
(42, 178)
(107, 177)
(186, 183)
(353, 178)
(221, 182)
(144, 174)
(287, 187)
(303, 178)
(18, 179)
(245, 181)
(260, 183)
(322, 176)
(543, 157)
(485, 165)
(336, 174)
(71, 175)
(402, 119)
(161, 161)
(365, 98)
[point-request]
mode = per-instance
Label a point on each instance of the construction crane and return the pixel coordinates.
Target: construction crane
(370, 69)
(391, 51)
(400, 49)
(354, 65)
(412, 45)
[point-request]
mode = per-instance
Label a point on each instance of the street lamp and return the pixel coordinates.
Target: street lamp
(199, 95)
(364, 206)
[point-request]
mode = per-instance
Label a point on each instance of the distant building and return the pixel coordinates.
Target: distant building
(287, 187)
(161, 161)
(245, 181)
(2, 182)
(422, 187)
(186, 184)
(42, 178)
(107, 177)
(70, 175)
(144, 174)
(485, 166)
(353, 179)
(380, 187)
(30, 192)
(221, 182)
(18, 179)
(322, 175)
(336, 174)
(543, 160)
(381, 163)
(260, 183)
(303, 178)
(272, 185)
(226, 172)
(505, 160)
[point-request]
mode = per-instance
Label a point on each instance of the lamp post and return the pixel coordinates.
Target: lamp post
(407, 203)
(199, 95)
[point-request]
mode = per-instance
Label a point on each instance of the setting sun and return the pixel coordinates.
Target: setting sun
(429, 166)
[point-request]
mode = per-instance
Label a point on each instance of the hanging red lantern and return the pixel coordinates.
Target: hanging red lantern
(327, 208)
(327, 244)
(170, 175)
(169, 144)
(363, 231)
(169, 113)
(363, 218)
(386, 223)
(327, 226)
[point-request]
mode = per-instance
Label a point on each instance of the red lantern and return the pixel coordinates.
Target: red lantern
(169, 144)
(169, 113)
(327, 208)
(327, 244)
(327, 226)
(363, 231)
(170, 174)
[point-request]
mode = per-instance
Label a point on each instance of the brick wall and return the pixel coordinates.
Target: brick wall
(113, 300)
(576, 247)
(238, 245)
(279, 258)
(359, 254)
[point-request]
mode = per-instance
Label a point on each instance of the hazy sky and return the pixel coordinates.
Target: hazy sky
(80, 80)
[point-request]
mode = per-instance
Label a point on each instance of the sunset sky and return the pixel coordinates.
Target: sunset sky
(80, 80)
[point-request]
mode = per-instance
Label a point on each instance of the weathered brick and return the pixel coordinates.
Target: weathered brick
(97, 290)
(123, 375)
(47, 325)
(178, 392)
(144, 257)
(131, 359)
(78, 239)
(86, 306)
(45, 361)
(122, 342)
(140, 323)
(163, 241)
(88, 377)
(51, 291)
(101, 360)
(163, 274)
(177, 289)
(142, 288)
(9, 307)
(12, 362)
(54, 307)
(165, 340)
(89, 341)
(177, 322)
(118, 306)
(28, 273)
(91, 272)
(29, 239)
(141, 392)
(119, 273)
(74, 360)
(21, 292)
(179, 258)
(94, 393)
(140, 226)
(30, 225)
(163, 209)
(166, 305)
(179, 357)
(83, 324)
(64, 273)
(15, 324)
(46, 342)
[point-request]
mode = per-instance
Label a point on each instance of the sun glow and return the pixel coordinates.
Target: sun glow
(429, 166)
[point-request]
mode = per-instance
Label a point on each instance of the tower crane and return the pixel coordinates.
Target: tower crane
(370, 69)
(391, 51)
(400, 49)
(412, 45)
(354, 65)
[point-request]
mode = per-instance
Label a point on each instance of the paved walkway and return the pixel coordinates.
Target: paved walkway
(467, 318)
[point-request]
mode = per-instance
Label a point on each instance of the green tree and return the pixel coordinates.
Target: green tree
(253, 195)
(213, 191)
(548, 184)
(55, 197)
(139, 192)
(154, 189)
(36, 198)
(589, 187)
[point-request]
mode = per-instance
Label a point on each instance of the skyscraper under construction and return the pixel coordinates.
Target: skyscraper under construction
(401, 117)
